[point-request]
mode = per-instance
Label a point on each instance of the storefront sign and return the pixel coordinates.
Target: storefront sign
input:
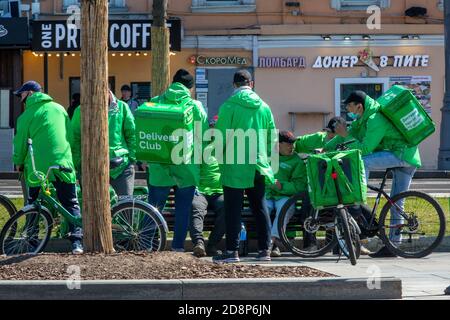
(14, 32)
(124, 35)
(282, 62)
(228, 60)
(398, 61)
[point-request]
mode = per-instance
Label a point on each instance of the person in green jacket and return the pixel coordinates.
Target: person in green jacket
(184, 177)
(47, 124)
(382, 146)
(122, 144)
(310, 142)
(290, 179)
(247, 129)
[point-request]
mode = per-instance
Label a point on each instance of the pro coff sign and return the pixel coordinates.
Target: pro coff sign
(124, 35)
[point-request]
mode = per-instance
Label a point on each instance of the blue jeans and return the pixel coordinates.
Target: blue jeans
(401, 181)
(277, 205)
(157, 196)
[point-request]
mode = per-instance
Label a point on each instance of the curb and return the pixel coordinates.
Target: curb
(204, 289)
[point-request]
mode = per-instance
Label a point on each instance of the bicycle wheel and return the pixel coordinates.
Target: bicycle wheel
(7, 209)
(417, 229)
(26, 232)
(347, 237)
(137, 226)
(293, 226)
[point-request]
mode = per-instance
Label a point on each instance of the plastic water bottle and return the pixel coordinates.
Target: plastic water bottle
(243, 242)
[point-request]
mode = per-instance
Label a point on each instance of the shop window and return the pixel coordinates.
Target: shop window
(223, 6)
(74, 85)
(4, 108)
(113, 4)
(359, 4)
(141, 91)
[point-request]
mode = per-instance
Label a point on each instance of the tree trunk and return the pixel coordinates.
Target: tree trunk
(160, 48)
(96, 209)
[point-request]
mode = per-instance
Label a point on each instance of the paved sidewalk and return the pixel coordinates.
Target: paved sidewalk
(424, 278)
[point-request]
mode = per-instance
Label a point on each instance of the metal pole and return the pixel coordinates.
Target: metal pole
(46, 72)
(444, 150)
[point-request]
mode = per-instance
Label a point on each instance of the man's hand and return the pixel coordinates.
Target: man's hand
(341, 129)
(277, 185)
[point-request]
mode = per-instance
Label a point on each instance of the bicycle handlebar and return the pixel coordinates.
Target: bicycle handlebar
(343, 146)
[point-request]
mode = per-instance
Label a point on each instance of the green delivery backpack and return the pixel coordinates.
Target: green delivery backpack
(156, 124)
(406, 113)
(351, 178)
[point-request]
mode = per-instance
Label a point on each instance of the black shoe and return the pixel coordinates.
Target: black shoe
(227, 257)
(447, 291)
(263, 255)
(212, 251)
(383, 253)
(199, 250)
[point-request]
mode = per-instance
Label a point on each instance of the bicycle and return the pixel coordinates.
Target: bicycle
(7, 207)
(136, 225)
(415, 208)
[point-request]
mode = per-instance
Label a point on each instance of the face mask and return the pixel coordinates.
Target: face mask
(353, 116)
(25, 99)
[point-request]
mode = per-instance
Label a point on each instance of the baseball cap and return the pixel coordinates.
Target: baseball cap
(242, 77)
(331, 126)
(125, 87)
(28, 86)
(184, 77)
(286, 136)
(357, 96)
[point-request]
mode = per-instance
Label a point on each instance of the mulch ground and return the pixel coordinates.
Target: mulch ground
(158, 265)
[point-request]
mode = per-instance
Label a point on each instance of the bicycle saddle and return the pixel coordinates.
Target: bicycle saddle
(115, 162)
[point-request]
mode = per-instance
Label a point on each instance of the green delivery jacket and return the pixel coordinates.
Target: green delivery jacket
(183, 175)
(374, 132)
(122, 139)
(291, 175)
(210, 174)
(48, 125)
(246, 110)
(309, 142)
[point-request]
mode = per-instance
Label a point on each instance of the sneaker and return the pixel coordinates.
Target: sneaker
(199, 250)
(382, 253)
(275, 252)
(447, 291)
(365, 251)
(263, 255)
(77, 248)
(227, 257)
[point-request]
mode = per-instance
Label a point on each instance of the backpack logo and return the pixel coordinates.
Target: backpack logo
(412, 120)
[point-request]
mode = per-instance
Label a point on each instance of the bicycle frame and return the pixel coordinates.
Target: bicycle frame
(380, 192)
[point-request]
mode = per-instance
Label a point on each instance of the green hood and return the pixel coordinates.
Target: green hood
(370, 107)
(247, 98)
(37, 98)
(176, 93)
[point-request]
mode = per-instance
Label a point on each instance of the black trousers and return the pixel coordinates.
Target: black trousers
(233, 206)
(200, 205)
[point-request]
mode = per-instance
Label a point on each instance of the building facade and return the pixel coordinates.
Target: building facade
(306, 56)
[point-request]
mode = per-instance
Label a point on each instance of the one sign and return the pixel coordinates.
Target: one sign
(14, 32)
(228, 60)
(282, 62)
(397, 61)
(124, 35)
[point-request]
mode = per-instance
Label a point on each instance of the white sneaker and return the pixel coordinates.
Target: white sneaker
(365, 251)
(77, 248)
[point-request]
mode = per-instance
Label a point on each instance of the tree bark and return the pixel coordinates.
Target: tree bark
(96, 209)
(160, 48)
